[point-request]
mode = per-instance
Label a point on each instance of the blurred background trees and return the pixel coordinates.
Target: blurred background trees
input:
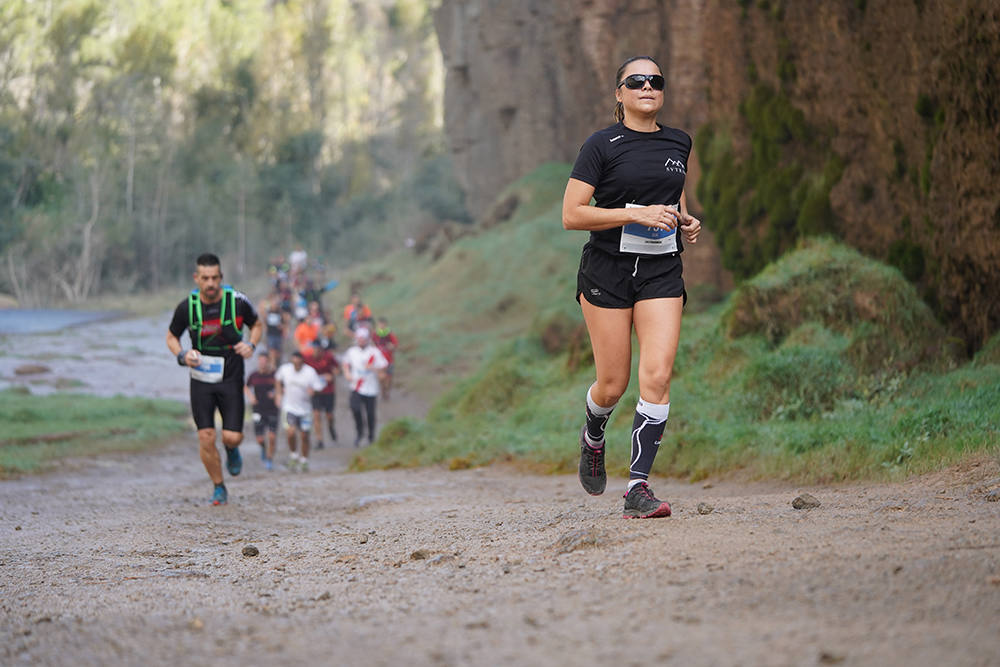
(135, 135)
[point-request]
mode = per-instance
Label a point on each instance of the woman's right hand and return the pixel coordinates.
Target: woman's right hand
(657, 216)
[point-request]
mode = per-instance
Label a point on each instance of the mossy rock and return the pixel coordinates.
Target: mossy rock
(990, 352)
(886, 324)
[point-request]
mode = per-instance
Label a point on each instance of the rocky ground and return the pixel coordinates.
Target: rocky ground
(123, 560)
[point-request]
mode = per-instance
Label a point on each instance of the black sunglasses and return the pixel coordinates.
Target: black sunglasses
(636, 81)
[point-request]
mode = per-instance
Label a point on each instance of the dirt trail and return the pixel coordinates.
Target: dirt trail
(122, 560)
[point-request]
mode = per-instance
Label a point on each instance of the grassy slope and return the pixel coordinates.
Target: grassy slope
(40, 429)
(826, 366)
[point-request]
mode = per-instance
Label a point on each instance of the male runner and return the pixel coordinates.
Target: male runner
(363, 363)
(323, 360)
(261, 390)
(214, 315)
(296, 384)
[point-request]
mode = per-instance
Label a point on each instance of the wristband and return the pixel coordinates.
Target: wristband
(253, 347)
(180, 358)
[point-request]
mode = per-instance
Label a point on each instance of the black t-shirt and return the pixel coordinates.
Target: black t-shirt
(214, 335)
(629, 167)
(262, 385)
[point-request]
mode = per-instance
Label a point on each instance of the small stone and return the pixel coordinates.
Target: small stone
(363, 539)
(31, 369)
(830, 658)
(17, 528)
(441, 558)
(993, 496)
(705, 508)
(419, 554)
(250, 550)
(197, 624)
(805, 502)
(325, 595)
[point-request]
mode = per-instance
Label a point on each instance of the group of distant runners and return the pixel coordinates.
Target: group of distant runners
(629, 279)
(302, 389)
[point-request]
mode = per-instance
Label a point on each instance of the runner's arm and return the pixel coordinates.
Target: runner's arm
(690, 225)
(577, 213)
(174, 345)
(245, 348)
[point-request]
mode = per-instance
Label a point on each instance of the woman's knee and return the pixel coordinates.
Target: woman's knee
(607, 391)
(655, 378)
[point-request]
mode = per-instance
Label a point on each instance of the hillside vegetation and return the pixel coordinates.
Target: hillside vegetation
(135, 135)
(824, 366)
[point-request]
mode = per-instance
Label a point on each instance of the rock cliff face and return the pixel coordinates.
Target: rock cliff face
(907, 92)
(528, 81)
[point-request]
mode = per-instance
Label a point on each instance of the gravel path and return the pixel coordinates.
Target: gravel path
(122, 561)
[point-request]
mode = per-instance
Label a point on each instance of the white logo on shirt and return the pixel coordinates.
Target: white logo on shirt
(614, 139)
(675, 166)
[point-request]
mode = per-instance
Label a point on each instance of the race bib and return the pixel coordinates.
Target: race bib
(210, 370)
(638, 238)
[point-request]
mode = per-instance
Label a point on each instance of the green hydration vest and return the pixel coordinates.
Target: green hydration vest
(227, 315)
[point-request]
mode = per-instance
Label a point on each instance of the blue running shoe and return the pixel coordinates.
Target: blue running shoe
(234, 462)
(220, 496)
(268, 465)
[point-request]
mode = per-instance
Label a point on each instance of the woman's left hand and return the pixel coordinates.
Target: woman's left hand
(691, 226)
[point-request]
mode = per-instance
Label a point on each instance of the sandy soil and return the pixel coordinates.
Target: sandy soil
(123, 560)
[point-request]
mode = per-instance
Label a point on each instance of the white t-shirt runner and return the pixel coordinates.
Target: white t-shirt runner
(295, 385)
(364, 364)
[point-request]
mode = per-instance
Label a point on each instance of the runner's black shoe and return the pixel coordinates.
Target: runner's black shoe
(640, 503)
(234, 461)
(592, 475)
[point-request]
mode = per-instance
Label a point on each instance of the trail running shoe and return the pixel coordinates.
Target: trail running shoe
(220, 496)
(592, 475)
(640, 503)
(320, 445)
(303, 465)
(268, 465)
(234, 461)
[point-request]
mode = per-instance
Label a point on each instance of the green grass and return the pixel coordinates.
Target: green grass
(41, 429)
(826, 366)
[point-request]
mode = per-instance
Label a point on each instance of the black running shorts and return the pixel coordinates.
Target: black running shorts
(227, 397)
(323, 402)
(618, 281)
(264, 423)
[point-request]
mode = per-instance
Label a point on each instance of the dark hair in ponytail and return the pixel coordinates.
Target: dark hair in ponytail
(619, 108)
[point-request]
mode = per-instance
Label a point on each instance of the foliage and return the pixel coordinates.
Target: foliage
(135, 135)
(763, 202)
(826, 366)
(40, 429)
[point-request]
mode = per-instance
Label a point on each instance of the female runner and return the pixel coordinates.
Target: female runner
(630, 271)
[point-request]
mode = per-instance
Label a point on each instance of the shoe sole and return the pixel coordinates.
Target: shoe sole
(583, 443)
(662, 510)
